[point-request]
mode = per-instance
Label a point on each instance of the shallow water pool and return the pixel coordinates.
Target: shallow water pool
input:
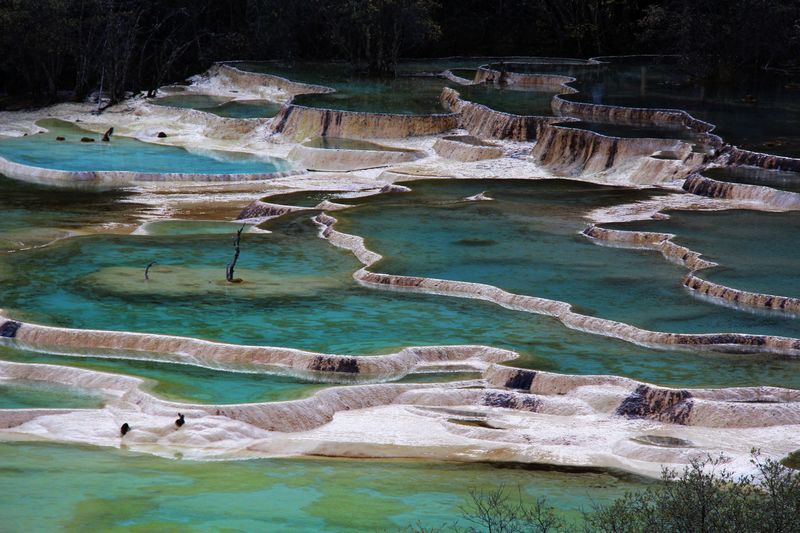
(124, 154)
(72, 488)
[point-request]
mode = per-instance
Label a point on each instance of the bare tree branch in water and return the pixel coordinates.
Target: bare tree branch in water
(232, 264)
(147, 271)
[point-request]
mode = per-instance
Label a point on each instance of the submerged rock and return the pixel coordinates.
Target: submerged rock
(480, 197)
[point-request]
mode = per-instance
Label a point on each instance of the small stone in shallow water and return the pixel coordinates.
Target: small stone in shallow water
(60, 138)
(87, 140)
(480, 197)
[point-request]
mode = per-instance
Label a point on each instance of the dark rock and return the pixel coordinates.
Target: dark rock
(161, 135)
(9, 329)
(665, 405)
(180, 421)
(124, 429)
(258, 209)
(322, 363)
(60, 138)
(508, 400)
(521, 380)
(107, 135)
(87, 140)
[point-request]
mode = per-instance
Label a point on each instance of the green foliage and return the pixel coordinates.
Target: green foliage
(792, 460)
(53, 46)
(707, 498)
(704, 498)
(724, 40)
(498, 512)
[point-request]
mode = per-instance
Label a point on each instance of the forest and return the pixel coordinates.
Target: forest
(67, 49)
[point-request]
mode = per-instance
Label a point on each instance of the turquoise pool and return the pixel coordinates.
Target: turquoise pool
(124, 154)
(75, 488)
(221, 106)
(528, 242)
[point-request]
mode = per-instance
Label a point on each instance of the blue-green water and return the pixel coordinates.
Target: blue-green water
(632, 132)
(527, 101)
(785, 181)
(124, 154)
(527, 241)
(32, 215)
(27, 394)
(74, 488)
(179, 382)
(403, 95)
(222, 106)
(298, 292)
(736, 240)
(761, 114)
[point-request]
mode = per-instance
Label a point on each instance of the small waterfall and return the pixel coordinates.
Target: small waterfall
(482, 121)
(739, 156)
(574, 152)
(300, 122)
(766, 196)
(639, 116)
(661, 242)
(741, 298)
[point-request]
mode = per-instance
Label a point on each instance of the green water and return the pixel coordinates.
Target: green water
(404, 95)
(511, 99)
(785, 181)
(736, 240)
(182, 383)
(301, 294)
(192, 101)
(124, 154)
(28, 394)
(761, 113)
(74, 488)
(298, 292)
(632, 132)
(527, 242)
(32, 215)
(358, 92)
(24, 205)
(222, 106)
